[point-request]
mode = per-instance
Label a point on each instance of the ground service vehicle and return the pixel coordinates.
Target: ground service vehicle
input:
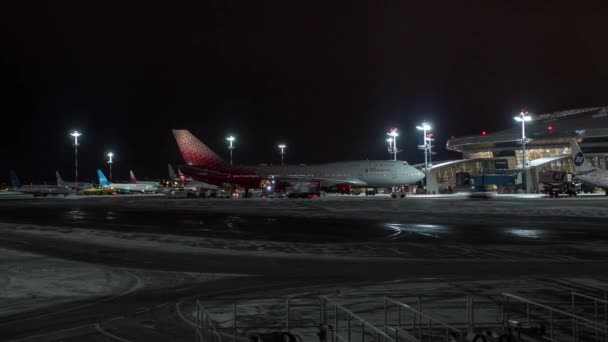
(554, 183)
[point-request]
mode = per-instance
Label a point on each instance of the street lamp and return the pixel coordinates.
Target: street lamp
(110, 155)
(426, 145)
(231, 146)
(282, 147)
(393, 138)
(76, 134)
(390, 145)
(523, 117)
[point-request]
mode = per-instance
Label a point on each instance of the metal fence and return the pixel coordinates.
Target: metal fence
(326, 320)
(523, 317)
(580, 304)
(343, 325)
(246, 320)
(417, 325)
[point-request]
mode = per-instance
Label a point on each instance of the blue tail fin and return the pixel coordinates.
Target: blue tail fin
(14, 180)
(102, 179)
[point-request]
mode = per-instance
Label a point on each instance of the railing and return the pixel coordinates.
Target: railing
(348, 326)
(204, 327)
(423, 326)
(562, 325)
(238, 326)
(598, 304)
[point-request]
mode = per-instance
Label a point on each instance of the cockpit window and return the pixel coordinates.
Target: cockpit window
(404, 163)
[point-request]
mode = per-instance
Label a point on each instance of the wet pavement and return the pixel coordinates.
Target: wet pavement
(279, 228)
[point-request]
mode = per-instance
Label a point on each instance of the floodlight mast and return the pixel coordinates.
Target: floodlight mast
(231, 140)
(523, 117)
(110, 162)
(426, 145)
(282, 147)
(75, 134)
(393, 134)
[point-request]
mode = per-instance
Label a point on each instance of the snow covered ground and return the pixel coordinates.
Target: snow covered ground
(29, 281)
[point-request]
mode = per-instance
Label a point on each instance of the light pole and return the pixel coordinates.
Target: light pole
(390, 145)
(393, 136)
(231, 146)
(110, 155)
(523, 117)
(75, 134)
(430, 140)
(425, 127)
(282, 147)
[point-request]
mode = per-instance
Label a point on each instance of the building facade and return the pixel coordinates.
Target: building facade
(548, 150)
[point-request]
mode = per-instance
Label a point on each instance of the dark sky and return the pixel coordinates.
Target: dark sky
(328, 78)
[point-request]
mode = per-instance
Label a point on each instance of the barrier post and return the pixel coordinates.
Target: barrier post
(287, 309)
(234, 323)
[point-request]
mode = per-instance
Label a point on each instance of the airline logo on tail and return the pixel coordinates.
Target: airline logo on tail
(102, 179)
(194, 151)
(579, 159)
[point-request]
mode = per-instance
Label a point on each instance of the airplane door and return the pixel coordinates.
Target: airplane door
(393, 173)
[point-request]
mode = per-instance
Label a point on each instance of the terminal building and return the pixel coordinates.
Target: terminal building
(548, 150)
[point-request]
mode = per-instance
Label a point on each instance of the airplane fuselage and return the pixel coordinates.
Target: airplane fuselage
(597, 178)
(129, 187)
(370, 173)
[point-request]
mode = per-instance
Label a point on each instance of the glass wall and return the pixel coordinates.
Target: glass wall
(477, 155)
(537, 153)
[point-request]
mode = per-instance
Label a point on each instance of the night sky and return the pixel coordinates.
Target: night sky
(328, 80)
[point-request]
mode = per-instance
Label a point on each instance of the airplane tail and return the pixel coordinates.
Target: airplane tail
(182, 177)
(60, 181)
(580, 164)
(14, 180)
(133, 179)
(172, 174)
(194, 151)
(102, 179)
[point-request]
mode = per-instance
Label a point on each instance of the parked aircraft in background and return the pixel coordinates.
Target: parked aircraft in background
(188, 182)
(585, 172)
(125, 187)
(72, 185)
(205, 165)
(135, 181)
(37, 189)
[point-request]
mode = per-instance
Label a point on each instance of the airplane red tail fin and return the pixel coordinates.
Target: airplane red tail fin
(194, 152)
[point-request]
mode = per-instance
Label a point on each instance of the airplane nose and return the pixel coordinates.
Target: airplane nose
(420, 174)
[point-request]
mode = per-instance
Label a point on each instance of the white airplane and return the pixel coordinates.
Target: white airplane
(72, 185)
(135, 181)
(205, 165)
(188, 182)
(125, 187)
(38, 189)
(585, 172)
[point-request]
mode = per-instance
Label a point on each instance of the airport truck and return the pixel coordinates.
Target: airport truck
(554, 183)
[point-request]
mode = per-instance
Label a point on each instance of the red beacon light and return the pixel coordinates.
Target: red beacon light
(550, 128)
(484, 132)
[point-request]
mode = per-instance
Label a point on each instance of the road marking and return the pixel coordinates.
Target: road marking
(100, 329)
